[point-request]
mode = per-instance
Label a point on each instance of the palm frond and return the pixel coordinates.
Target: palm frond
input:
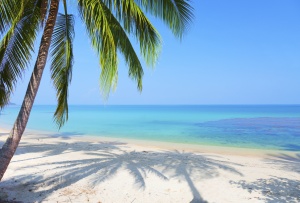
(102, 37)
(8, 13)
(176, 14)
(16, 47)
(62, 63)
(124, 45)
(135, 22)
(6, 87)
(102, 23)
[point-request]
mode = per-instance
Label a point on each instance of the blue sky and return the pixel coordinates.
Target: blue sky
(235, 52)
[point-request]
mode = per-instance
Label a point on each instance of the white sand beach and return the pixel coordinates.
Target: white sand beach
(54, 168)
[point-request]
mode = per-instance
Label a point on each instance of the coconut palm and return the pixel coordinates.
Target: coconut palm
(109, 24)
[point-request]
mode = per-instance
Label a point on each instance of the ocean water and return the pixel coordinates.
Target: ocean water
(249, 126)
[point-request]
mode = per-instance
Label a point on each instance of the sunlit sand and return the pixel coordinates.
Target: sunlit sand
(53, 168)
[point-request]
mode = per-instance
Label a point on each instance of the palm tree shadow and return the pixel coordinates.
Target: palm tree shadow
(277, 189)
(187, 165)
(274, 190)
(136, 163)
(4, 134)
(64, 147)
(101, 165)
(286, 161)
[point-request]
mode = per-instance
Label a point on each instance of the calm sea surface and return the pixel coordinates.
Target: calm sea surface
(266, 126)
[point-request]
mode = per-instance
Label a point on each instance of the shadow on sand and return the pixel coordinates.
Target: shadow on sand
(3, 137)
(286, 161)
(105, 159)
(4, 134)
(277, 189)
(274, 190)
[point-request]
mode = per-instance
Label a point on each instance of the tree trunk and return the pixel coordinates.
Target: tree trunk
(16, 133)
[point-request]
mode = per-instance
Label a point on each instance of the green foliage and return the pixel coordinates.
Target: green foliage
(62, 63)
(109, 23)
(176, 14)
(109, 34)
(8, 11)
(19, 29)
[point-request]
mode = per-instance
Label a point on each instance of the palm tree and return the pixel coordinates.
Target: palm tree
(109, 24)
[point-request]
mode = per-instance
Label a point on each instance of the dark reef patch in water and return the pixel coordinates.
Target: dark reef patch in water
(262, 125)
(291, 147)
(280, 133)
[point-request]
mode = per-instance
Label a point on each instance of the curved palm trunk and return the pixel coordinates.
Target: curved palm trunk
(16, 133)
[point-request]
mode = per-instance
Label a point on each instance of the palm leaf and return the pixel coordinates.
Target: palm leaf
(16, 47)
(176, 14)
(102, 38)
(62, 63)
(8, 11)
(124, 45)
(135, 22)
(104, 31)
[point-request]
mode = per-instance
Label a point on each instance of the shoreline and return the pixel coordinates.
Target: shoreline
(58, 168)
(161, 145)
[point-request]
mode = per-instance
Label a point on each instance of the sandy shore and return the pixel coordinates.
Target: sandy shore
(54, 168)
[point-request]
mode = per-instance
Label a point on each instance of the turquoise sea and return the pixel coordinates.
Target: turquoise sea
(249, 126)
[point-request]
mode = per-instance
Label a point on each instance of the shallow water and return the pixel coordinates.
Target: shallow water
(264, 126)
